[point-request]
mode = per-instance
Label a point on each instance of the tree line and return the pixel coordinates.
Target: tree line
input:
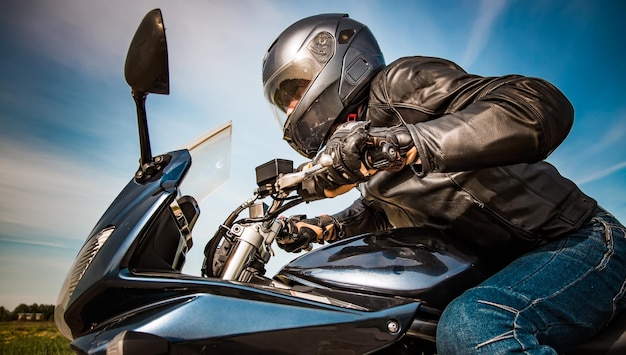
(46, 310)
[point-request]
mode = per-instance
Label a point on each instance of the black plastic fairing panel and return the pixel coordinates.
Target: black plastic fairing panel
(411, 262)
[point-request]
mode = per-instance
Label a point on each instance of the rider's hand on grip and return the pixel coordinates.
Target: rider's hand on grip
(345, 147)
(342, 161)
(299, 232)
(358, 151)
(389, 148)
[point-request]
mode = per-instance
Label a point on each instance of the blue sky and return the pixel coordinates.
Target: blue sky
(68, 141)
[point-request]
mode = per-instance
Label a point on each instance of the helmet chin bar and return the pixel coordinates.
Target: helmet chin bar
(309, 130)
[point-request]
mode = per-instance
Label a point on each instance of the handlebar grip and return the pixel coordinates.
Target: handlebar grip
(380, 157)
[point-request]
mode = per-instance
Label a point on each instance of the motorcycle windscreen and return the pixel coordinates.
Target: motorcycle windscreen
(210, 159)
(411, 262)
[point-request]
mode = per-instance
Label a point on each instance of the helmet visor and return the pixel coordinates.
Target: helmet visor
(285, 89)
(288, 85)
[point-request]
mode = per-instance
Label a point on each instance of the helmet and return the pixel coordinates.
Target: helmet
(316, 73)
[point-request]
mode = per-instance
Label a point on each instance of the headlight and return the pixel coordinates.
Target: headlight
(82, 262)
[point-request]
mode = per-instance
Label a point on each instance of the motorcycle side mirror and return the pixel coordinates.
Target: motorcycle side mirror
(146, 71)
(146, 68)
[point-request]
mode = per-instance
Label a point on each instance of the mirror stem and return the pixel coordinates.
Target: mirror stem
(144, 136)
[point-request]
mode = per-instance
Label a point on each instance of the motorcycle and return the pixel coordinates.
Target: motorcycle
(374, 293)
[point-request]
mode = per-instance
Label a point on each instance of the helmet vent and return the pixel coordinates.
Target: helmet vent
(322, 47)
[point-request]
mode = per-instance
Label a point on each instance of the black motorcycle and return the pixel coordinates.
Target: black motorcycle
(373, 293)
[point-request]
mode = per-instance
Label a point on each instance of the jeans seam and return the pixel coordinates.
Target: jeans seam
(618, 297)
(517, 313)
(547, 262)
(609, 244)
(608, 237)
(527, 318)
(508, 334)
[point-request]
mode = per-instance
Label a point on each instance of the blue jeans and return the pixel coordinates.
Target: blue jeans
(546, 301)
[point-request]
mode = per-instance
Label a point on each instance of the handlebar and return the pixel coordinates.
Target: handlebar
(240, 248)
(379, 157)
(289, 181)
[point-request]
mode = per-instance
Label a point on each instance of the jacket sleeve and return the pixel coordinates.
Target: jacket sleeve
(475, 122)
(360, 217)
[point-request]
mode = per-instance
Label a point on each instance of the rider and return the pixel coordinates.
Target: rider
(469, 161)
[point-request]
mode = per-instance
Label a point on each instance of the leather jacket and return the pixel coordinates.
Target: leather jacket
(481, 141)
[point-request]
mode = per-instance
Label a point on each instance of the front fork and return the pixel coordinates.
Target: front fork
(252, 241)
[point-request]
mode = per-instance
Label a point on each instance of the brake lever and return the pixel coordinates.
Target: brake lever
(289, 181)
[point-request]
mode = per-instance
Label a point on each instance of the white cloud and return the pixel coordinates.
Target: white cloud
(29, 242)
(598, 148)
(597, 175)
(45, 193)
(613, 137)
(488, 11)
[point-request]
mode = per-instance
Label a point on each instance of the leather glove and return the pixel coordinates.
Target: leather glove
(399, 137)
(299, 232)
(348, 148)
(345, 147)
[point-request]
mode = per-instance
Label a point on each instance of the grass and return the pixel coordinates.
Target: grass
(32, 338)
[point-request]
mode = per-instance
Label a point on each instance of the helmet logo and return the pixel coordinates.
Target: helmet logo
(322, 46)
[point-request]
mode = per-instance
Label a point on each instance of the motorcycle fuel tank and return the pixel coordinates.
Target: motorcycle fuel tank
(419, 263)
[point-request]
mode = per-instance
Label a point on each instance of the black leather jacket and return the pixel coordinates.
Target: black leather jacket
(481, 142)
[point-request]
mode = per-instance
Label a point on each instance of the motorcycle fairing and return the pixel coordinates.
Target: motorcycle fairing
(216, 316)
(131, 214)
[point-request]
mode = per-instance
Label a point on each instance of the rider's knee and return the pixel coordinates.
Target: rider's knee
(470, 321)
(457, 318)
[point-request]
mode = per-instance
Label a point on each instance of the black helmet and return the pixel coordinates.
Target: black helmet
(323, 65)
